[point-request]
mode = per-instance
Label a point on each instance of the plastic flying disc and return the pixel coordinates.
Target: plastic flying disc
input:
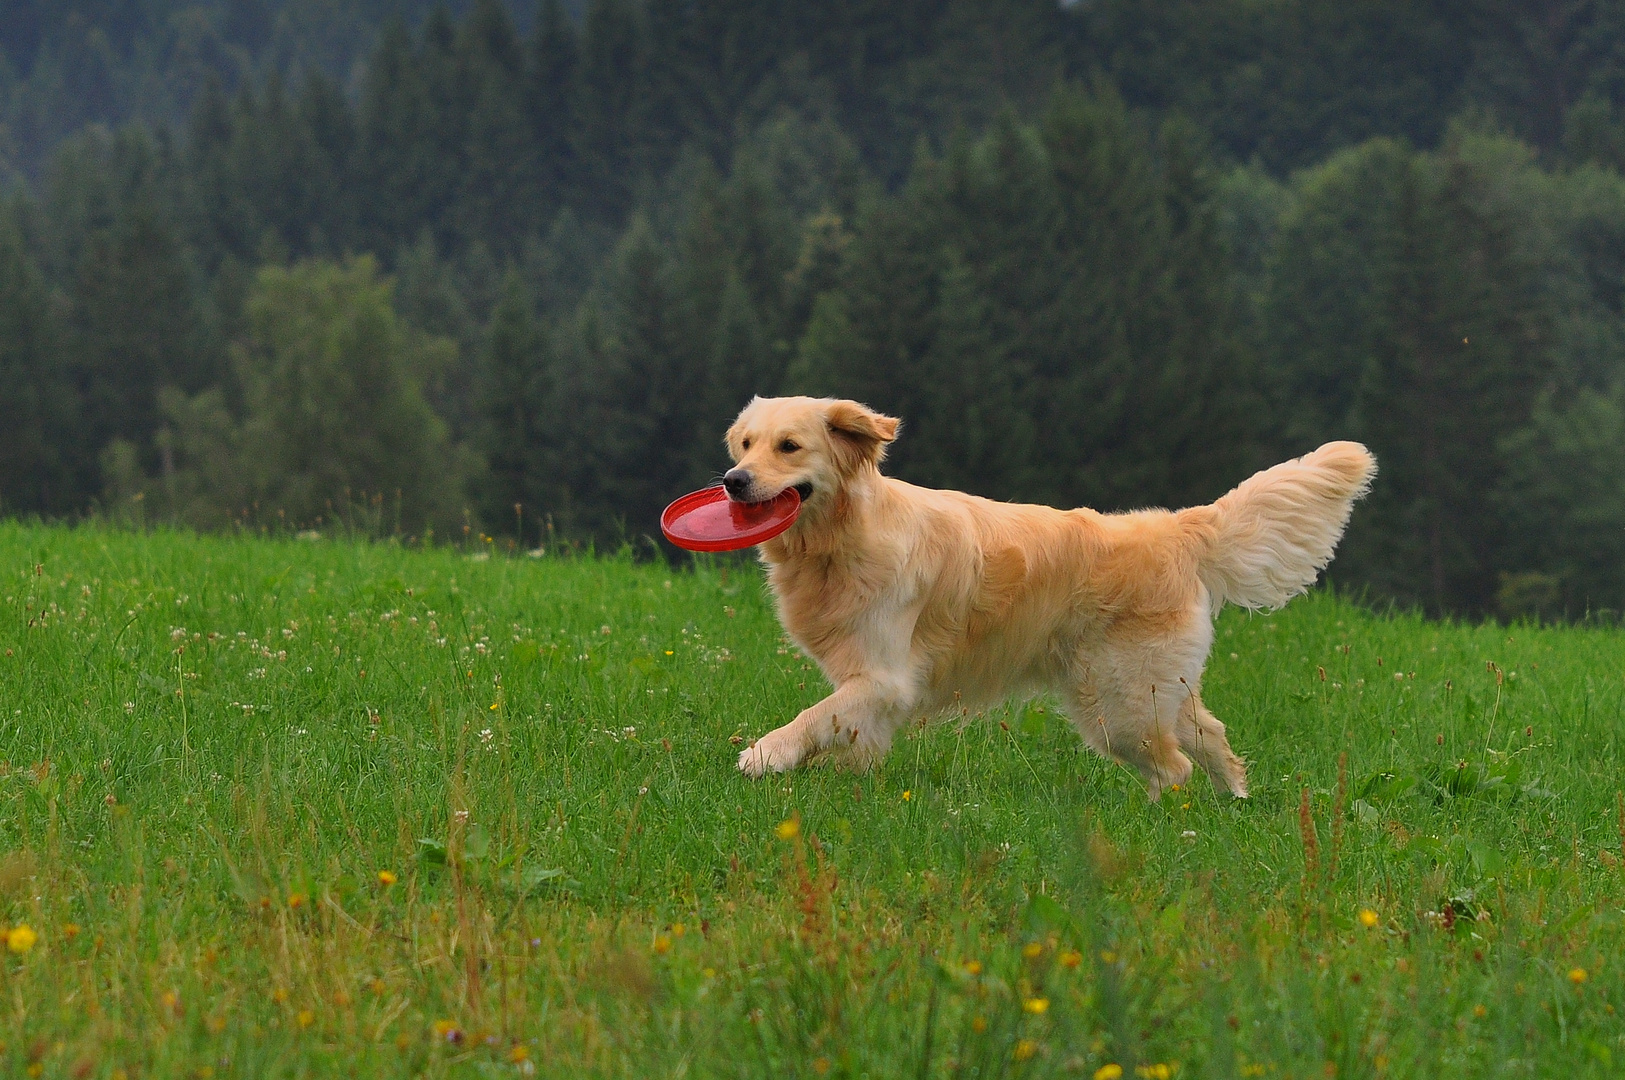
(708, 520)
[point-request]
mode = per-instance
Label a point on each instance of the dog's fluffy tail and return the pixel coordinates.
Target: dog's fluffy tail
(1267, 540)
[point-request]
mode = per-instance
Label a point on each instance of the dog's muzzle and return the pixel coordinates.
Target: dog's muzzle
(738, 483)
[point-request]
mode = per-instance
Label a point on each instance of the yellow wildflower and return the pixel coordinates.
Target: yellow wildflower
(788, 829)
(973, 967)
(386, 878)
(662, 944)
(907, 795)
(519, 1053)
(21, 938)
(978, 1024)
(70, 930)
(296, 900)
(1368, 918)
(306, 1018)
(279, 995)
(1037, 1006)
(1025, 1049)
(1071, 958)
(1576, 975)
(1032, 950)
(1109, 1071)
(1159, 1071)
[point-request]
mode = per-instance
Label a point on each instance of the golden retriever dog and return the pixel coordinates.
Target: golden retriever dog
(915, 602)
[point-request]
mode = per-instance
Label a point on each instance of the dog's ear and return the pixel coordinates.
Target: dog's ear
(860, 430)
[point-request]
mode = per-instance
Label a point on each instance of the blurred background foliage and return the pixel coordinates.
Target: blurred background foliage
(514, 266)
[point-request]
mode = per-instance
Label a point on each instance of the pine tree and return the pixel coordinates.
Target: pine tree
(976, 431)
(519, 410)
(42, 458)
(134, 327)
(216, 218)
(449, 97)
(399, 160)
(496, 203)
(329, 139)
(550, 106)
(740, 365)
(610, 134)
(642, 384)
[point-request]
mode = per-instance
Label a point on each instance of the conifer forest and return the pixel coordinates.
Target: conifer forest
(508, 269)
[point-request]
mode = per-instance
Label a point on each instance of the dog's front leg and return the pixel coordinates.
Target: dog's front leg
(859, 718)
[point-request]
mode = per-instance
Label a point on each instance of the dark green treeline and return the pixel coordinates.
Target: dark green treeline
(1110, 253)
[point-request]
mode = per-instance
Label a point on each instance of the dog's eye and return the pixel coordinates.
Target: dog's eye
(788, 446)
(745, 445)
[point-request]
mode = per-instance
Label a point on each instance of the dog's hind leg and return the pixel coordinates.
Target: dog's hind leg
(1142, 681)
(1201, 735)
(1132, 720)
(1140, 722)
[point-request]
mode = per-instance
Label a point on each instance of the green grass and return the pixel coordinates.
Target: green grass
(213, 746)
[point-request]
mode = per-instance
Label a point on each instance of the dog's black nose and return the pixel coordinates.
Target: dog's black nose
(737, 482)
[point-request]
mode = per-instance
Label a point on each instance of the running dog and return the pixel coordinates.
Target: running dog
(915, 601)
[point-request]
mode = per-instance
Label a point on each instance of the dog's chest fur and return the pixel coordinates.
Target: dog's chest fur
(827, 600)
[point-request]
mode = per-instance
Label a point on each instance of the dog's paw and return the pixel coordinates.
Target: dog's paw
(752, 762)
(773, 752)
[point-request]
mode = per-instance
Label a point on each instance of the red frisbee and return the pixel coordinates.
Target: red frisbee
(707, 520)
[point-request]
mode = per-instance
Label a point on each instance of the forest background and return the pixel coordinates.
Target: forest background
(509, 269)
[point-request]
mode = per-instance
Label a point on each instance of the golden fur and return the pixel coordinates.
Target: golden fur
(915, 601)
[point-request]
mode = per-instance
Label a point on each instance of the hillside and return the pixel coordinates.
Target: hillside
(281, 807)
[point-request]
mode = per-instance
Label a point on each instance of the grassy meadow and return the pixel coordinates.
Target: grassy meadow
(274, 808)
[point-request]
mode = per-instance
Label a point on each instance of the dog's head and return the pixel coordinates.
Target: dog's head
(815, 445)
